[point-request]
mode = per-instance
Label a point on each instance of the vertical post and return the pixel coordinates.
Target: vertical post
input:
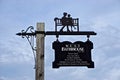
(40, 53)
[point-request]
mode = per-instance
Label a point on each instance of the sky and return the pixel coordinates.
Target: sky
(100, 16)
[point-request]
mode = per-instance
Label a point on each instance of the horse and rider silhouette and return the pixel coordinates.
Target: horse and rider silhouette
(67, 21)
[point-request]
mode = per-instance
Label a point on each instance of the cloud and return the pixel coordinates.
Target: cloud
(14, 50)
(2, 78)
(16, 78)
(113, 74)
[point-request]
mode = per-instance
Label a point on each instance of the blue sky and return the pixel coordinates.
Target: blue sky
(101, 16)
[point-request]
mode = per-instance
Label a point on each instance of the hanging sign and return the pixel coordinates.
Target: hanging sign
(73, 54)
(69, 53)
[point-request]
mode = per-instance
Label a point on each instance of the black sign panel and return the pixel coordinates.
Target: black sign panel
(73, 54)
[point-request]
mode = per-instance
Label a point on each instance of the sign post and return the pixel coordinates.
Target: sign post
(40, 52)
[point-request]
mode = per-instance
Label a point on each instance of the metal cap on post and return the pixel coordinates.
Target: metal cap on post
(40, 52)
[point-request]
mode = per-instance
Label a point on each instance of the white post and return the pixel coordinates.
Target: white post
(40, 53)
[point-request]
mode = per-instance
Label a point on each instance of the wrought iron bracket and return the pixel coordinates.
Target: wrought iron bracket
(57, 34)
(30, 38)
(29, 34)
(86, 33)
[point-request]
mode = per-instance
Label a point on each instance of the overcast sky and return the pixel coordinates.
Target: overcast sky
(101, 16)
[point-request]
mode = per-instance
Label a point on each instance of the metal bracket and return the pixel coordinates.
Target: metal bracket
(30, 34)
(30, 39)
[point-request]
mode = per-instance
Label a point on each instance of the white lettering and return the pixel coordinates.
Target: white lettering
(80, 49)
